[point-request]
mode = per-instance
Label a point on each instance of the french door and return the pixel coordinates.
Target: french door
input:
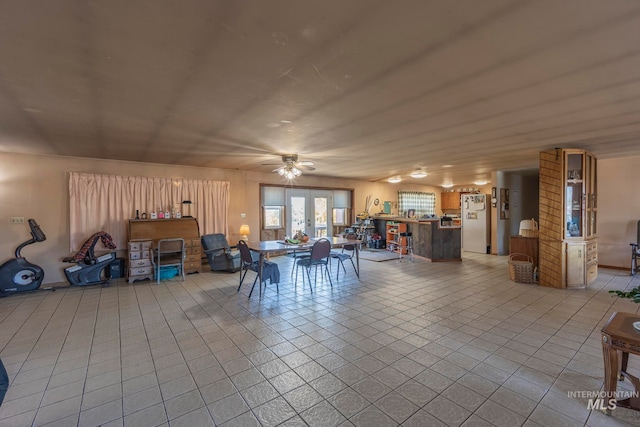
(309, 211)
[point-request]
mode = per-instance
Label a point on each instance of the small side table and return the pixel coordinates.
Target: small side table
(619, 335)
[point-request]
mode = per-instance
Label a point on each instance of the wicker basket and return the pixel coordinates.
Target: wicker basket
(521, 271)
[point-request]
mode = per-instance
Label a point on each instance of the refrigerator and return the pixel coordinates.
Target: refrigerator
(476, 223)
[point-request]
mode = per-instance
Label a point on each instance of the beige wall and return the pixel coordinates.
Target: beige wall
(618, 210)
(36, 187)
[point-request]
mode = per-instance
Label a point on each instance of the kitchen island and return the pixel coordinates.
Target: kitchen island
(431, 240)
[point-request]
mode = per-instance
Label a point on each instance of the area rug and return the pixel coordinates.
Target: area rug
(378, 256)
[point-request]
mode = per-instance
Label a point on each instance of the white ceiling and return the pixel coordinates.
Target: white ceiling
(365, 89)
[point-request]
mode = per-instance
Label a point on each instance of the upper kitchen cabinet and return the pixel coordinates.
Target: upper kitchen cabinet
(568, 218)
(450, 201)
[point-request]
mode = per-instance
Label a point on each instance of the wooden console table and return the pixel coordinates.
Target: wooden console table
(619, 335)
(185, 228)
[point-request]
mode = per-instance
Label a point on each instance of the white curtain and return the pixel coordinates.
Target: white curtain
(106, 203)
(422, 203)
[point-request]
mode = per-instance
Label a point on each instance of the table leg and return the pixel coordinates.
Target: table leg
(623, 365)
(610, 356)
(358, 260)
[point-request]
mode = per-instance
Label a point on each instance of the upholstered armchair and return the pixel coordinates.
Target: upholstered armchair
(220, 255)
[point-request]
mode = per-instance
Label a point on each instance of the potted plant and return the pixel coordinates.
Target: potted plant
(633, 294)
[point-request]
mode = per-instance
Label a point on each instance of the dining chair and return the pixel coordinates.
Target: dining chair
(347, 253)
(270, 270)
(168, 253)
(319, 257)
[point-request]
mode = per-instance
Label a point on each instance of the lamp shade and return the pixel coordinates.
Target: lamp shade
(245, 231)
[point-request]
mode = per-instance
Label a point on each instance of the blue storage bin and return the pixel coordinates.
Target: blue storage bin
(168, 272)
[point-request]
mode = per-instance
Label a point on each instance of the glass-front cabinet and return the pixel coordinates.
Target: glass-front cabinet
(580, 205)
(568, 221)
(574, 195)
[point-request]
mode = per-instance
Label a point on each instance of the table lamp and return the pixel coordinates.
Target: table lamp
(244, 230)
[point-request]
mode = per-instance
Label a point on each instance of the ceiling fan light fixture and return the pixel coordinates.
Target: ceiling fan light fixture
(289, 171)
(481, 182)
(418, 173)
(394, 179)
(447, 185)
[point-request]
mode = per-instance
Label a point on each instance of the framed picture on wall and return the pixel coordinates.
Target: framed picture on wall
(504, 203)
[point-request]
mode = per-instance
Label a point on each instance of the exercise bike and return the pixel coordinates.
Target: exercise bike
(91, 269)
(19, 275)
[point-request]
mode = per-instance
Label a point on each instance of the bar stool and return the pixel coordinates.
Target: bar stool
(405, 242)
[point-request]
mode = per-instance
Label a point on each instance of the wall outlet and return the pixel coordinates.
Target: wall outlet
(17, 220)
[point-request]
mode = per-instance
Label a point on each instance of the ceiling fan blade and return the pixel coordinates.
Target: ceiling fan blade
(305, 163)
(305, 167)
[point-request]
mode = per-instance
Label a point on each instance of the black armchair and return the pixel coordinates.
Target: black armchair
(220, 255)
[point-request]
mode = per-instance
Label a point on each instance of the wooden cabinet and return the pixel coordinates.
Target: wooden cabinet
(139, 262)
(395, 241)
(153, 230)
(568, 218)
(450, 201)
(524, 245)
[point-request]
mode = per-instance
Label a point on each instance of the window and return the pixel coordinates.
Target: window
(273, 217)
(340, 216)
(420, 203)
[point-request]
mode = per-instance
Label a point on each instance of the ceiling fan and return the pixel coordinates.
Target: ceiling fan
(291, 167)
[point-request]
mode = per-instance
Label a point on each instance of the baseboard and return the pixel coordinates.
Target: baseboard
(614, 267)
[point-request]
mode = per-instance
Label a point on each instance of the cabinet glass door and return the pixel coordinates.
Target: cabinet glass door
(574, 191)
(591, 187)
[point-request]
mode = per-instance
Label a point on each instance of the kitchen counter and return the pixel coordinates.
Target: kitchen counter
(438, 243)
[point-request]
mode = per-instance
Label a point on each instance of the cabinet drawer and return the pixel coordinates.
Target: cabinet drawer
(135, 255)
(192, 258)
(139, 271)
(192, 266)
(139, 246)
(192, 243)
(135, 263)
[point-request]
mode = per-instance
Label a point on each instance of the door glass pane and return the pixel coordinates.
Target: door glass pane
(320, 207)
(298, 214)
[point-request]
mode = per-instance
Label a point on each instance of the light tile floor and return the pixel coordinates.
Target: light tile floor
(412, 344)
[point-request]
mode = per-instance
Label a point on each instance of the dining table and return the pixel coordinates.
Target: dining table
(267, 247)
